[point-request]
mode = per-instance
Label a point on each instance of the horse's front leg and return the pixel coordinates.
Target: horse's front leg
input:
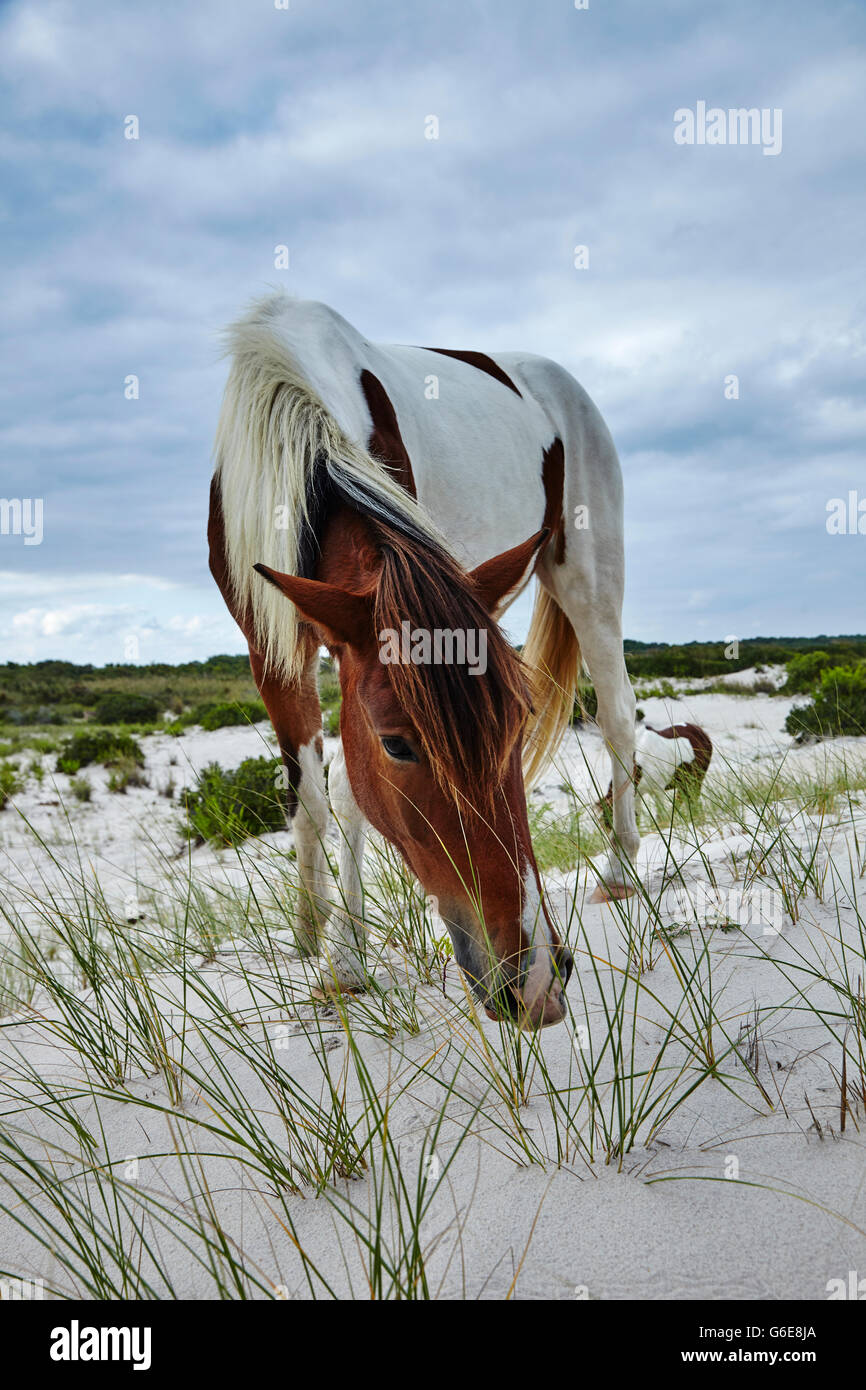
(296, 715)
(309, 824)
(343, 947)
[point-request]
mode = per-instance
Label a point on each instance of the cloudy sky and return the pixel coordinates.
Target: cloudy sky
(261, 126)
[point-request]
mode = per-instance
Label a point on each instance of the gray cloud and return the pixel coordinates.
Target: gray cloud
(261, 127)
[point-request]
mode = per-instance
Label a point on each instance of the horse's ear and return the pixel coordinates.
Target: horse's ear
(342, 615)
(497, 577)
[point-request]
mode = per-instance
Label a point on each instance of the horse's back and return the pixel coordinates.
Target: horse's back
(475, 426)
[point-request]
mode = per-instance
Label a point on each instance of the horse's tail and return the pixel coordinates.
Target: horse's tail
(279, 454)
(552, 653)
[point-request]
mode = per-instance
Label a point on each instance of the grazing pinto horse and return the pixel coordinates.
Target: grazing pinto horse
(360, 492)
(672, 760)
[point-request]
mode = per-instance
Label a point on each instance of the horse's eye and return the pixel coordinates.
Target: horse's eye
(399, 749)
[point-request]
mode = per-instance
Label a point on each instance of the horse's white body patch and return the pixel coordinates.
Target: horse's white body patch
(452, 440)
(534, 921)
(343, 948)
(308, 828)
(658, 759)
(312, 796)
(539, 976)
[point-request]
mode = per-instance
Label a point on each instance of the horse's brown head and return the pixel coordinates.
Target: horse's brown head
(434, 704)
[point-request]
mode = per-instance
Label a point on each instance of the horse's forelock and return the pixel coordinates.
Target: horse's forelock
(467, 724)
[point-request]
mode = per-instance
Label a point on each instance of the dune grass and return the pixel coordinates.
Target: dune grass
(187, 1025)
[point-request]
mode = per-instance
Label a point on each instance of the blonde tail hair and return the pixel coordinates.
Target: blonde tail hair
(552, 654)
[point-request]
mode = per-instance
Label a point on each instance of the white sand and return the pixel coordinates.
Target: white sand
(673, 1223)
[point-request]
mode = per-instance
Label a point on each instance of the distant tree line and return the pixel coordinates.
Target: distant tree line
(710, 659)
(58, 692)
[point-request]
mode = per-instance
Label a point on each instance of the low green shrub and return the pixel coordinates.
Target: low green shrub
(764, 685)
(804, 672)
(80, 788)
(222, 714)
(837, 707)
(122, 707)
(10, 782)
(39, 745)
(663, 690)
(47, 714)
(127, 773)
(100, 746)
(227, 807)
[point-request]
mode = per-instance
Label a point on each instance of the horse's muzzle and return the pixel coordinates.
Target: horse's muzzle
(536, 1004)
(535, 999)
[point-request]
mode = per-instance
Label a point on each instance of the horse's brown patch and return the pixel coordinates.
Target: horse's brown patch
(295, 711)
(216, 537)
(553, 478)
(386, 442)
(482, 362)
(689, 773)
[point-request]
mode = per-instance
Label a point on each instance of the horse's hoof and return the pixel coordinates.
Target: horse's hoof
(612, 892)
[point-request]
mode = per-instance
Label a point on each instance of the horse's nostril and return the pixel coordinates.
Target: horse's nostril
(513, 1005)
(564, 964)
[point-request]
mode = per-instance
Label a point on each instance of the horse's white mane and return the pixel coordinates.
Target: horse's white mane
(273, 431)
